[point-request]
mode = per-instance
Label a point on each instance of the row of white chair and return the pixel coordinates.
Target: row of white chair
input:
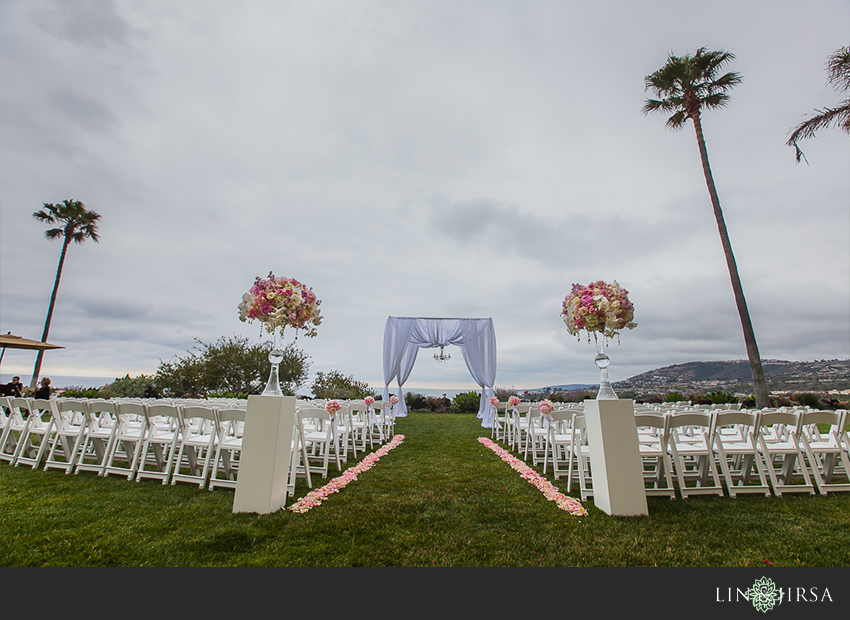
(136, 440)
(712, 451)
(171, 442)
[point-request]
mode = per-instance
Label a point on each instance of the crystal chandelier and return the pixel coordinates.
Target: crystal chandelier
(442, 356)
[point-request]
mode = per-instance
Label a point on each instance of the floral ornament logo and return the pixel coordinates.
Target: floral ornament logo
(764, 594)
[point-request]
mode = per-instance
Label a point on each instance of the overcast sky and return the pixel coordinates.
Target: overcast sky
(417, 158)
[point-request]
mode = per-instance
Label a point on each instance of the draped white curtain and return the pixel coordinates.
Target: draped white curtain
(404, 336)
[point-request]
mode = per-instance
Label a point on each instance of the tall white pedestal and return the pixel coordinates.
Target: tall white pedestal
(615, 463)
(266, 447)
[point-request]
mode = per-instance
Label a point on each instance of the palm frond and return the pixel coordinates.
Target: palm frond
(838, 69)
(54, 233)
(677, 121)
(824, 118)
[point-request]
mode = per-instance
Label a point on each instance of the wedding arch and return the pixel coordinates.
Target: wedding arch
(404, 336)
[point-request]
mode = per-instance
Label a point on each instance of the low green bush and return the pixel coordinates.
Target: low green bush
(466, 402)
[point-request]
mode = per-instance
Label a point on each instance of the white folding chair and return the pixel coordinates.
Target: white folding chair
(70, 423)
(160, 443)
(16, 425)
(5, 414)
(316, 427)
(581, 457)
(101, 429)
(690, 440)
(558, 445)
(198, 435)
(344, 432)
(381, 423)
(359, 425)
(520, 417)
(736, 450)
(825, 450)
(124, 453)
(231, 423)
(653, 430)
(132, 428)
(778, 441)
(535, 432)
(38, 433)
(500, 421)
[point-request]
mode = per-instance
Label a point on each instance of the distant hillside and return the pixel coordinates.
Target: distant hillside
(780, 375)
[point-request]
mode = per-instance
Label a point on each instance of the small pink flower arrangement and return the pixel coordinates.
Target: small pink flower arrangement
(281, 302)
(598, 307)
(332, 407)
(494, 401)
(369, 400)
(514, 400)
(545, 407)
(394, 400)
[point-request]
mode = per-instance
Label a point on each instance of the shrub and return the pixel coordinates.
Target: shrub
(230, 364)
(438, 404)
(466, 402)
(674, 397)
(80, 392)
(503, 394)
(127, 387)
(774, 400)
(807, 399)
(721, 398)
(333, 384)
(415, 402)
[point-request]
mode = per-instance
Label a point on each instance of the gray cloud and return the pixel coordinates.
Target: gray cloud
(419, 159)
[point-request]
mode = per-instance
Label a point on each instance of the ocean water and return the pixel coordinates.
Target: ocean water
(59, 381)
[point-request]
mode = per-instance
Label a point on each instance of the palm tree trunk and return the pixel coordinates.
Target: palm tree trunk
(759, 382)
(37, 369)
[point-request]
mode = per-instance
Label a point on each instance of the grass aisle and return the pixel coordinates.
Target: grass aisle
(441, 498)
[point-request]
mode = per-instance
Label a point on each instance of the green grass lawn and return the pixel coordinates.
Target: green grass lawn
(439, 499)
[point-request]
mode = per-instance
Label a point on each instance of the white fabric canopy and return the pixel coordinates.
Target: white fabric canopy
(404, 336)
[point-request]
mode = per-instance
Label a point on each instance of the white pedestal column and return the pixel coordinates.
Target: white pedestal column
(615, 462)
(266, 450)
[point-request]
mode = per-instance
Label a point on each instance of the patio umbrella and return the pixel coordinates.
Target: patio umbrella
(9, 341)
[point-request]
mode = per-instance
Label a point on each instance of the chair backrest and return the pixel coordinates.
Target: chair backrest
(734, 418)
(206, 418)
(789, 419)
(41, 411)
(313, 412)
(654, 420)
(129, 413)
(691, 419)
(71, 411)
(231, 420)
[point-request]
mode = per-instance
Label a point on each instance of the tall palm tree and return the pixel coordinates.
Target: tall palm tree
(684, 86)
(838, 72)
(77, 225)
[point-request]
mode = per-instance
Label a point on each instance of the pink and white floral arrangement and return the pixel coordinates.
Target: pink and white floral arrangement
(332, 406)
(514, 400)
(545, 407)
(369, 401)
(394, 399)
(494, 401)
(598, 307)
(281, 302)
